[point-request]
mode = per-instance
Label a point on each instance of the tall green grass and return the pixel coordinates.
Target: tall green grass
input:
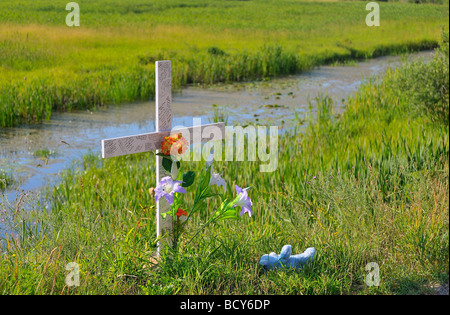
(368, 185)
(47, 66)
(5, 179)
(428, 85)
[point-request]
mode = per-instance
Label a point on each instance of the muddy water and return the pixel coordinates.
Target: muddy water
(68, 136)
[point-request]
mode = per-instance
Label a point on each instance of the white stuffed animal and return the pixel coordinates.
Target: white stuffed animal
(285, 260)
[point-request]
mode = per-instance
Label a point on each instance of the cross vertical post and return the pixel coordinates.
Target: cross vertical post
(163, 122)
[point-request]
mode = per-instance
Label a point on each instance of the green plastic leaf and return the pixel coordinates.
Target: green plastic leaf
(205, 180)
(167, 164)
(188, 179)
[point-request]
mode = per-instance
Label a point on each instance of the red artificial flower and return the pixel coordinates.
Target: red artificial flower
(181, 212)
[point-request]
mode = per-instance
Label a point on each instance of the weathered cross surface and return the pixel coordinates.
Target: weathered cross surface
(152, 141)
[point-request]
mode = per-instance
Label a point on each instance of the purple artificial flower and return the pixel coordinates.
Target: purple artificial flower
(209, 160)
(167, 187)
(217, 180)
(243, 200)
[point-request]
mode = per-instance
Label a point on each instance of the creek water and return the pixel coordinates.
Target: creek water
(35, 154)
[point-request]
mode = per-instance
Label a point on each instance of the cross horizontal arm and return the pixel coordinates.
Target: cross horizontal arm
(152, 141)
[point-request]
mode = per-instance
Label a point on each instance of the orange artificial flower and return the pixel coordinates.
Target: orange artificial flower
(176, 140)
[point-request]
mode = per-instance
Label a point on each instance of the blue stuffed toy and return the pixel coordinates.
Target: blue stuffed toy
(285, 260)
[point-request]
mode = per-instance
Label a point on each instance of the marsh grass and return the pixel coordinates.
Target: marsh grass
(5, 179)
(47, 67)
(44, 153)
(368, 185)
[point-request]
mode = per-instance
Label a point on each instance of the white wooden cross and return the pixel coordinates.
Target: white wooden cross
(152, 141)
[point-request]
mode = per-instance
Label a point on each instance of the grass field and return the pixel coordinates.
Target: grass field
(47, 66)
(369, 185)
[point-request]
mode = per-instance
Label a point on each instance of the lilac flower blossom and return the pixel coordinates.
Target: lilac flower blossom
(210, 160)
(217, 180)
(243, 200)
(167, 188)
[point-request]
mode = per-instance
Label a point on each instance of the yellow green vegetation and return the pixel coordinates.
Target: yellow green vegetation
(368, 186)
(47, 66)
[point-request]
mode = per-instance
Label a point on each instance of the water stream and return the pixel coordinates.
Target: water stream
(35, 154)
